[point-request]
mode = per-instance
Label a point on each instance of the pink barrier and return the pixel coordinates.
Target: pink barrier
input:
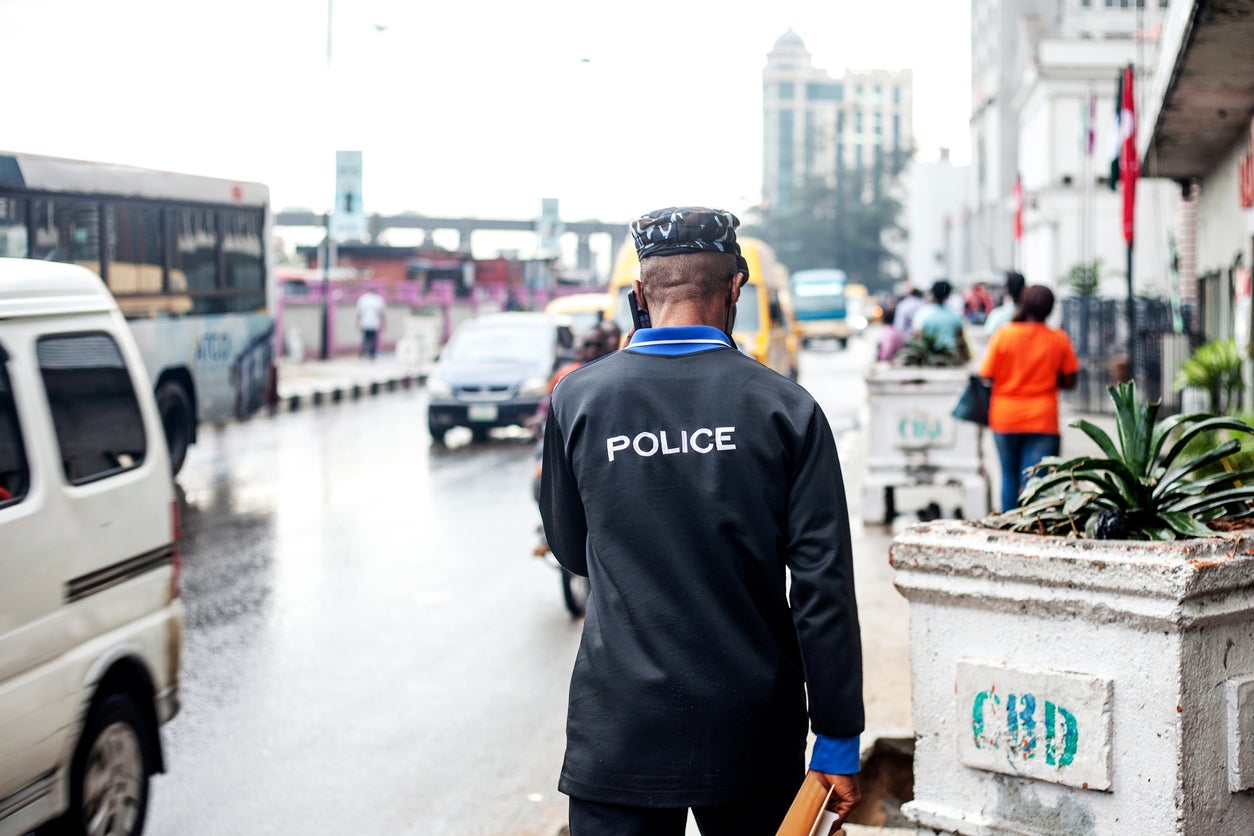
(442, 295)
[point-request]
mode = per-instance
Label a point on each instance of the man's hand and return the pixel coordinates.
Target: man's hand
(845, 794)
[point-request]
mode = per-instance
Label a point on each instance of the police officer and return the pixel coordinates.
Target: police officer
(683, 478)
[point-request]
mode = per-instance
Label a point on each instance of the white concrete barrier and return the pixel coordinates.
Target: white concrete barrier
(915, 441)
(1079, 686)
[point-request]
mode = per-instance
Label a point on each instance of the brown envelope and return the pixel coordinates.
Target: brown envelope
(806, 812)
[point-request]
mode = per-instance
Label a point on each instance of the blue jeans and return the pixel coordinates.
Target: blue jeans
(1018, 452)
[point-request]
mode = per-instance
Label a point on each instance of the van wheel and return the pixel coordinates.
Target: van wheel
(109, 774)
(176, 419)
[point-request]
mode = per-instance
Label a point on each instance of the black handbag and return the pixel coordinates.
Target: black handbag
(972, 404)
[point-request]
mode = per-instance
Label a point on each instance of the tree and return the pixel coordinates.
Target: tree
(847, 224)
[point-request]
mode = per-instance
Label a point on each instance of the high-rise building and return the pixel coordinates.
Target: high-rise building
(811, 119)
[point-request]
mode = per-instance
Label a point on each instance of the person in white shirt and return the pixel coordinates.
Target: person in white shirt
(370, 314)
(1005, 312)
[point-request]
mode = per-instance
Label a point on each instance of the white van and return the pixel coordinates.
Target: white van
(90, 622)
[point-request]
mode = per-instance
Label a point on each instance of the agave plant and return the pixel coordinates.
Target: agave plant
(1151, 486)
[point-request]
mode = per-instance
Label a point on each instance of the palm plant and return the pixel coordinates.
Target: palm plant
(1151, 486)
(1216, 367)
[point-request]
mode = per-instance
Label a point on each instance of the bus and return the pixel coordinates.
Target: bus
(819, 297)
(187, 258)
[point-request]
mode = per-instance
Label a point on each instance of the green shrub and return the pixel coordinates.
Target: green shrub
(1084, 277)
(1215, 367)
(926, 350)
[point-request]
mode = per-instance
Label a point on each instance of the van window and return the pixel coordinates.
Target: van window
(98, 424)
(14, 475)
(747, 318)
(776, 310)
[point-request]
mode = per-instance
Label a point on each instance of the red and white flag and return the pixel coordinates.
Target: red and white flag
(1129, 163)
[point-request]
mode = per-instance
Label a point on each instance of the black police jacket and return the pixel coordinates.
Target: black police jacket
(684, 487)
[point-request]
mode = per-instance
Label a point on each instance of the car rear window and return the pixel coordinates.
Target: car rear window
(14, 474)
(98, 423)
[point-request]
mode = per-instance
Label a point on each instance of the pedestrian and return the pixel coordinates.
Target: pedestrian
(370, 316)
(1027, 362)
(613, 334)
(976, 303)
(891, 341)
(903, 313)
(590, 346)
(1005, 312)
(686, 481)
(941, 322)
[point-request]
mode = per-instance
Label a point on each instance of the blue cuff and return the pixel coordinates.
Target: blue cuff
(836, 755)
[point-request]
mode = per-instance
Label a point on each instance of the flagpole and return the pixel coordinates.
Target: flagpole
(1131, 319)
(1129, 166)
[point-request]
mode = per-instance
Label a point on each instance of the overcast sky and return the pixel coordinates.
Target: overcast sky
(460, 108)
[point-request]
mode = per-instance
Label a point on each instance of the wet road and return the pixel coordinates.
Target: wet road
(370, 646)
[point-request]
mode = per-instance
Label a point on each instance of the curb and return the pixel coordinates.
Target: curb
(337, 393)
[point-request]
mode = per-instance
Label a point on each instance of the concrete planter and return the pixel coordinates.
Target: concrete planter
(1079, 686)
(915, 441)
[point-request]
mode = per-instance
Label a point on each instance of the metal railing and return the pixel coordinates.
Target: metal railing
(1098, 329)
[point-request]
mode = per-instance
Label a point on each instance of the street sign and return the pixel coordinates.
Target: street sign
(549, 228)
(348, 219)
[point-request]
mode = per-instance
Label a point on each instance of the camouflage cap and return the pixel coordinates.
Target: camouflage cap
(677, 230)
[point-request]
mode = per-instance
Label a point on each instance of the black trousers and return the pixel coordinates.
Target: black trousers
(758, 816)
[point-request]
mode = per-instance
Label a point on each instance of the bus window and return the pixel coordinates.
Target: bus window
(67, 229)
(135, 263)
(13, 243)
(194, 256)
(243, 252)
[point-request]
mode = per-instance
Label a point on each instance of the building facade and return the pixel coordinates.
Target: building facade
(936, 206)
(1198, 133)
(812, 121)
(1044, 82)
(1067, 138)
(997, 60)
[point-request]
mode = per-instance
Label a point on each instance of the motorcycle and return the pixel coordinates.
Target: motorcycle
(575, 588)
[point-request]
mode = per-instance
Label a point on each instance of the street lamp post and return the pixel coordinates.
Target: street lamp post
(328, 257)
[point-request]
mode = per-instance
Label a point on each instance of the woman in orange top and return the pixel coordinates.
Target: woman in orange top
(1027, 362)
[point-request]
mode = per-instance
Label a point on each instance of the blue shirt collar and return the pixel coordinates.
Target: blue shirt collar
(677, 340)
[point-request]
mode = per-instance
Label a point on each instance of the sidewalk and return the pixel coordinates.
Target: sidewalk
(313, 382)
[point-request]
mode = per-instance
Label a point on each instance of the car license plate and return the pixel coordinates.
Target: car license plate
(914, 430)
(481, 412)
